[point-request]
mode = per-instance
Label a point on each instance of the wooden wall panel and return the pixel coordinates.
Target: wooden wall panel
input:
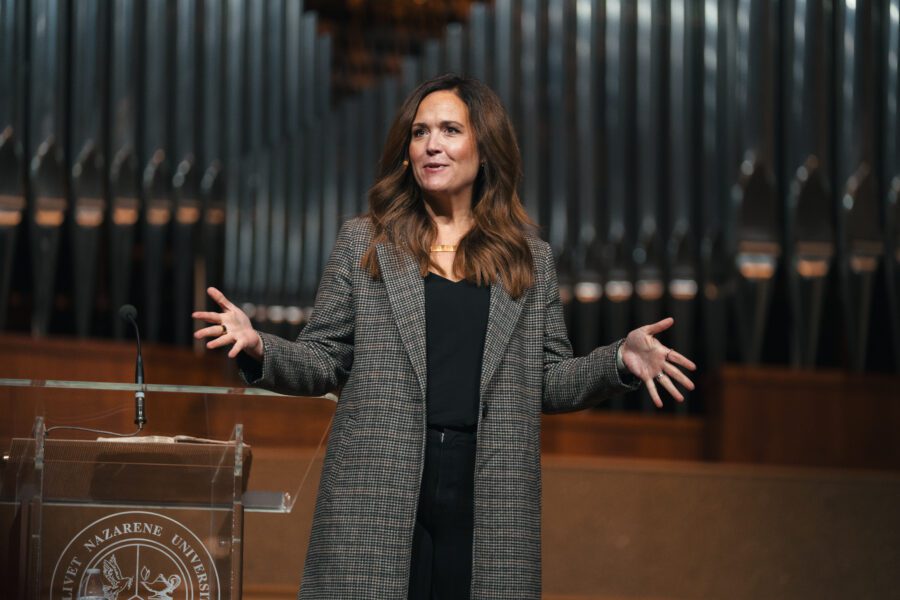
(653, 529)
(774, 415)
(625, 435)
(658, 529)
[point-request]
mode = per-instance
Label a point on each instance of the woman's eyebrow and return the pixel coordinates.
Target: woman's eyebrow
(443, 124)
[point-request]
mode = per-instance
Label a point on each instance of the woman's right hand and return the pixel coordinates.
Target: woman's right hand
(231, 326)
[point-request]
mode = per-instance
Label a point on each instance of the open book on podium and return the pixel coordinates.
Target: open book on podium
(159, 513)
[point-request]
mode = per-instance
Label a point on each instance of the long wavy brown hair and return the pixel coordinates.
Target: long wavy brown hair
(496, 245)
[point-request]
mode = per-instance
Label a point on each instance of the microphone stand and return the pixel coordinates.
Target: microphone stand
(128, 313)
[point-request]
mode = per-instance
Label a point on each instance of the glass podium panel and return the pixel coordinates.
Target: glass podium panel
(159, 512)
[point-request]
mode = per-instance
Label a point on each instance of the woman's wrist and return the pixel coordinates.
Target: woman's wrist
(256, 351)
(625, 375)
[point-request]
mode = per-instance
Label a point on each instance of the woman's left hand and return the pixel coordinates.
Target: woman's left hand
(653, 363)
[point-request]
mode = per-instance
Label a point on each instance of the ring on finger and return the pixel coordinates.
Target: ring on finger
(660, 376)
(668, 352)
(224, 329)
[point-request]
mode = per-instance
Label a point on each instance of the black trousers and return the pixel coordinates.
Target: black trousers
(441, 567)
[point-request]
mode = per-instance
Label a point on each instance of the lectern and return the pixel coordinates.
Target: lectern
(160, 515)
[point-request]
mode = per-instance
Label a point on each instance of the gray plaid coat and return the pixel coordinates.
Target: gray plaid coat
(369, 337)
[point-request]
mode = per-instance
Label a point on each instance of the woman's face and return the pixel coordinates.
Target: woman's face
(443, 150)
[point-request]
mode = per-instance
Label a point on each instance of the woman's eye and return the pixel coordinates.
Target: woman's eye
(418, 132)
(452, 129)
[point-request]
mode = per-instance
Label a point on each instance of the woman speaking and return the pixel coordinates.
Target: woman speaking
(439, 320)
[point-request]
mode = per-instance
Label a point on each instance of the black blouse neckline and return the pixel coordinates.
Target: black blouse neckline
(439, 276)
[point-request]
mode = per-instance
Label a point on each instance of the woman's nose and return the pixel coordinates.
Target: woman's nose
(433, 146)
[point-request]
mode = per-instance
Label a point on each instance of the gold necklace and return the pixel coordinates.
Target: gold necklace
(444, 248)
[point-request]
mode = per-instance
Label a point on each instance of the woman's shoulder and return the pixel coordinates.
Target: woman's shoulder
(541, 258)
(356, 231)
(540, 250)
(361, 224)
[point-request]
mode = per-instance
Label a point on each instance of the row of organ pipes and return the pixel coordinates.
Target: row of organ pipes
(733, 163)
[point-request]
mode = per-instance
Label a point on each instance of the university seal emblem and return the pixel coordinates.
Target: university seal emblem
(142, 556)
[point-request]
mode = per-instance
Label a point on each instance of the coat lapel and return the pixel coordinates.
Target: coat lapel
(502, 318)
(406, 294)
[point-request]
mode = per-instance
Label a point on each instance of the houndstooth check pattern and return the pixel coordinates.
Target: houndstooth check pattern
(369, 337)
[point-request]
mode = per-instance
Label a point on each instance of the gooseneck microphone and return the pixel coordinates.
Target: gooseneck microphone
(128, 313)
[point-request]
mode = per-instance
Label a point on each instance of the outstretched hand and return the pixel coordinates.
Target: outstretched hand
(231, 326)
(653, 363)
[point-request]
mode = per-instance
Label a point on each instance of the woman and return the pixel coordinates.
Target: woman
(439, 317)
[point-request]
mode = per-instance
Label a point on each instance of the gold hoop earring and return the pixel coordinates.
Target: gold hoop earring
(405, 163)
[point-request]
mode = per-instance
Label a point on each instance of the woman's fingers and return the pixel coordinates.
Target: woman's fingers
(236, 349)
(660, 326)
(679, 359)
(220, 299)
(646, 354)
(222, 340)
(654, 395)
(666, 382)
(209, 317)
(231, 327)
(213, 331)
(676, 375)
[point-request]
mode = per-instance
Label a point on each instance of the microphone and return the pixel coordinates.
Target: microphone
(128, 313)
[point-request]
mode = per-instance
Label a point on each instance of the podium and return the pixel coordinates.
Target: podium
(161, 515)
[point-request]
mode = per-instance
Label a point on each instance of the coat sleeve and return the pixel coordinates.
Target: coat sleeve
(319, 360)
(572, 383)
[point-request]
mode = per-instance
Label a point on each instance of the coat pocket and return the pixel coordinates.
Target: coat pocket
(334, 463)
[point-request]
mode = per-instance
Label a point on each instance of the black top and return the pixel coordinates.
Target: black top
(456, 316)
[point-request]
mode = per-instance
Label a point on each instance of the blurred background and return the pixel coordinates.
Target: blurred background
(732, 163)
